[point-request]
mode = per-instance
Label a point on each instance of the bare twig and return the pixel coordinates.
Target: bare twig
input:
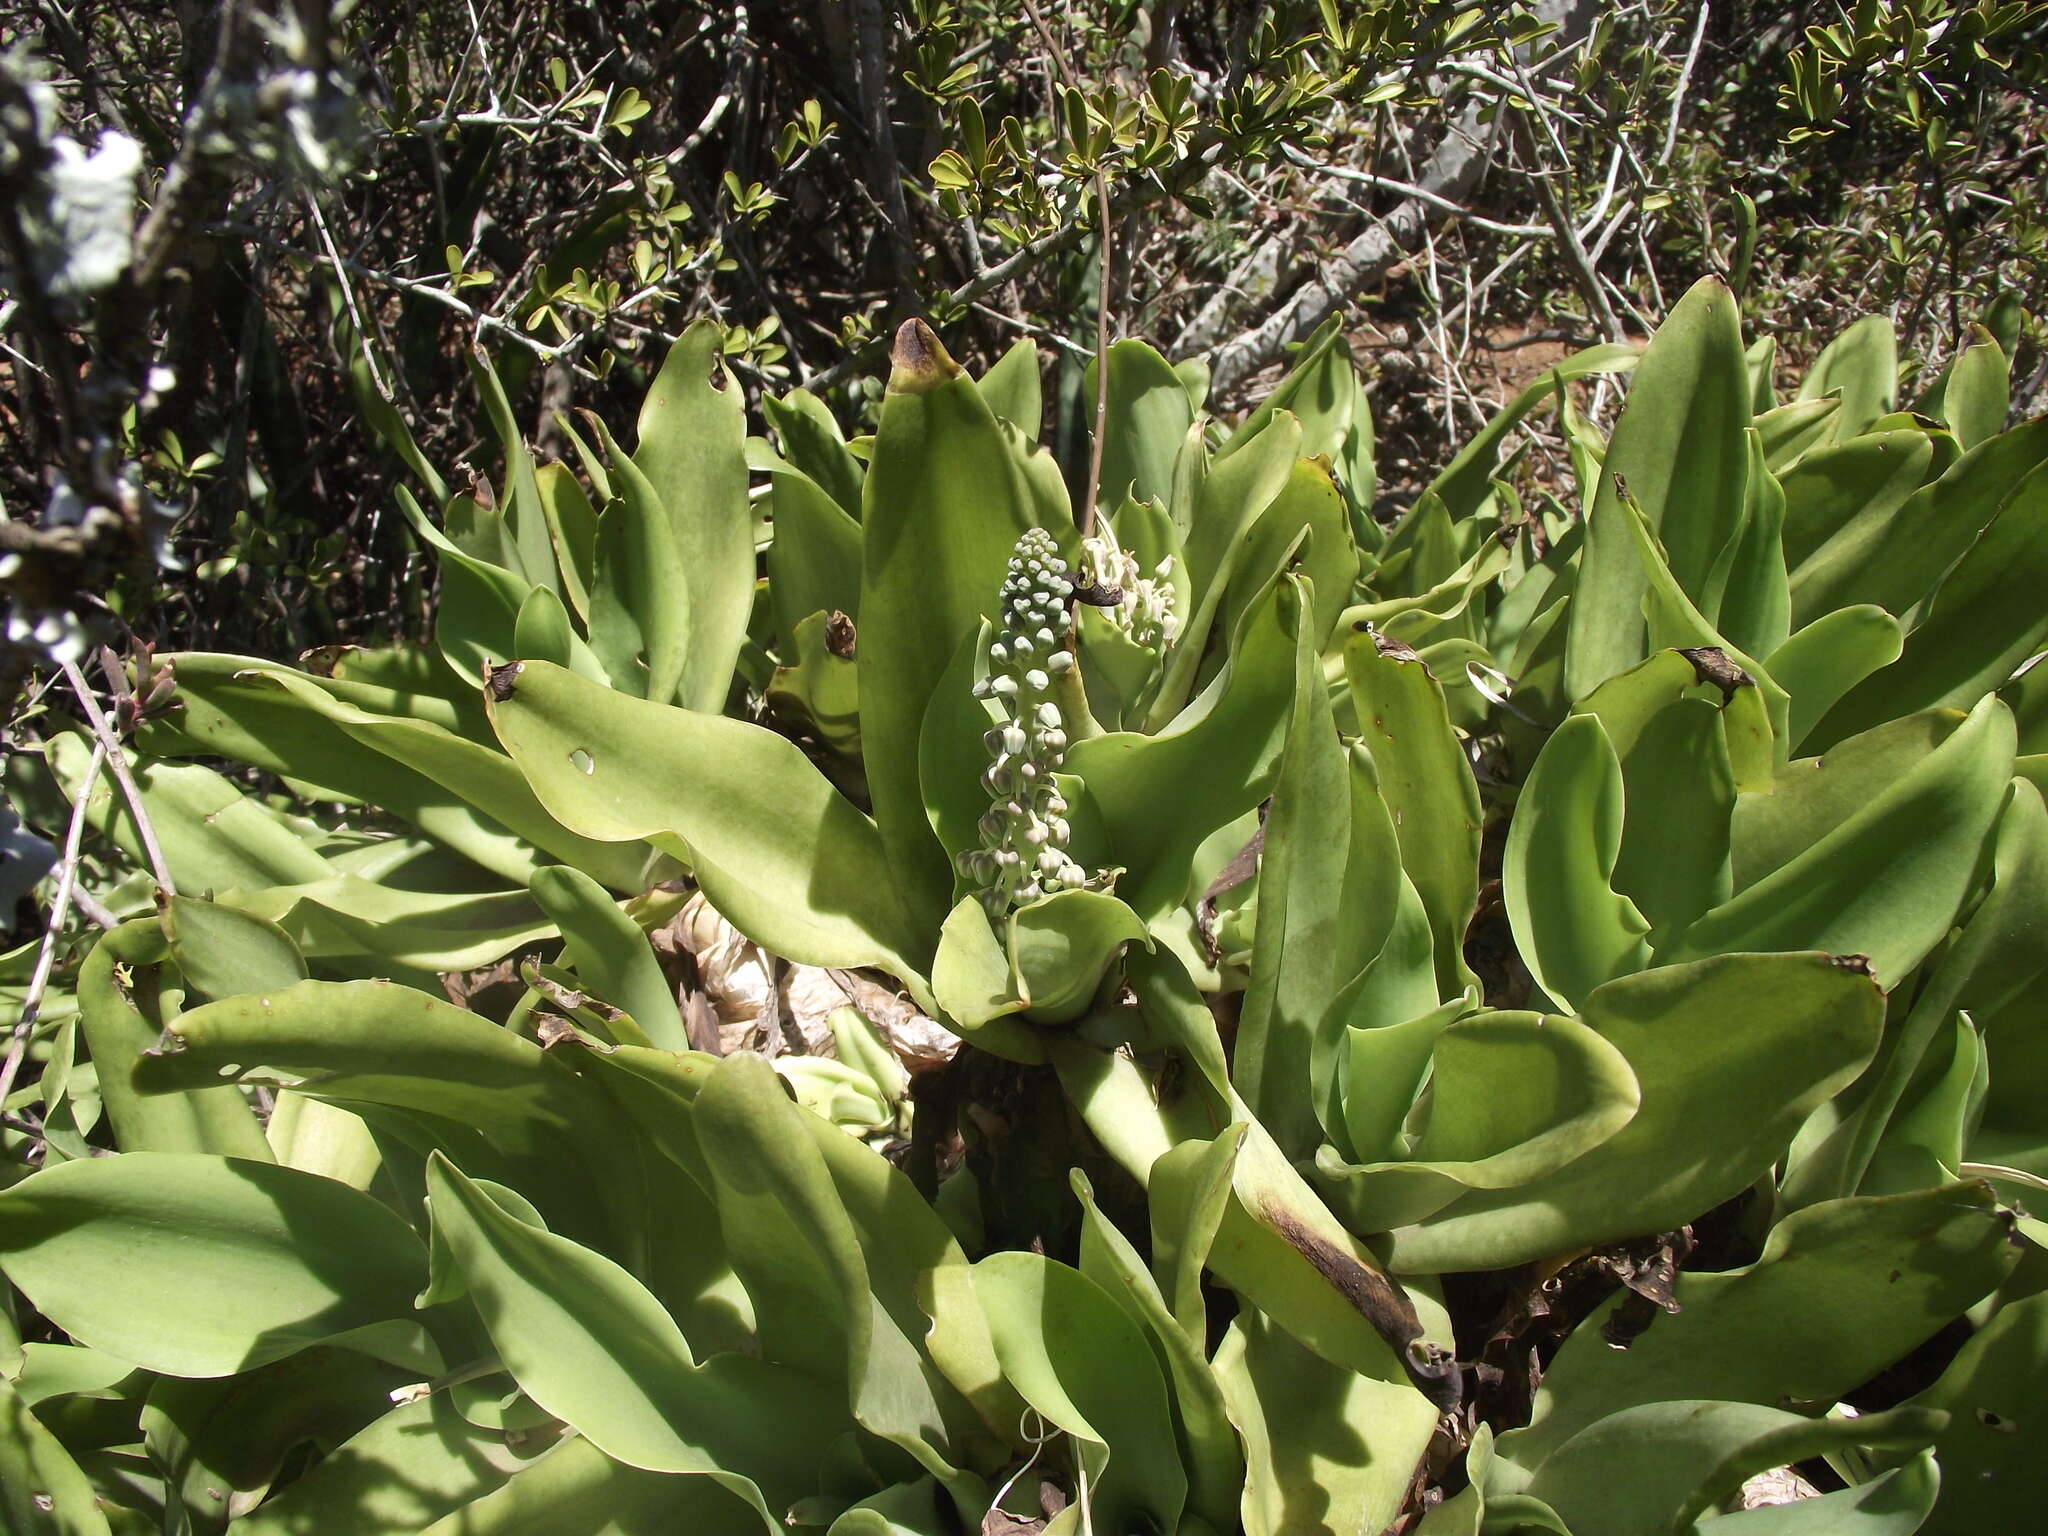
(1017, 262)
(1421, 194)
(110, 742)
(348, 298)
(1692, 53)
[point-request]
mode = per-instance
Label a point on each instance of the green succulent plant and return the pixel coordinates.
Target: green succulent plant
(1538, 1000)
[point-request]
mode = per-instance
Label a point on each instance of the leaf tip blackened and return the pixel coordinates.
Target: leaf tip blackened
(499, 681)
(918, 360)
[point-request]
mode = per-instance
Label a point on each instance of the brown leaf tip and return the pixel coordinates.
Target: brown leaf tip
(840, 635)
(1430, 1368)
(918, 360)
(1855, 965)
(1711, 664)
(498, 681)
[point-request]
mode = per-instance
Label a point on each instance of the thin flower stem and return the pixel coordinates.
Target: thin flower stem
(1102, 289)
(103, 731)
(60, 908)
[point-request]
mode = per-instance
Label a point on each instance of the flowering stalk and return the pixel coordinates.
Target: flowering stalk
(1024, 833)
(1144, 606)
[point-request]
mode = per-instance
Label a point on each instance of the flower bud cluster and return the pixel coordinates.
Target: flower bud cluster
(1024, 833)
(1146, 613)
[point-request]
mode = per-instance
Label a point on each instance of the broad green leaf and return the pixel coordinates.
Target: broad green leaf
(222, 1443)
(1149, 414)
(820, 689)
(2007, 952)
(541, 630)
(1895, 1503)
(1327, 1451)
(1809, 798)
(1062, 945)
(1011, 388)
(1789, 432)
(1896, 561)
(525, 518)
(1208, 1442)
(814, 563)
(692, 450)
(452, 1077)
(1384, 1067)
(975, 986)
(572, 526)
(587, 1342)
(1989, 964)
(1231, 499)
(1985, 618)
(1680, 792)
(1186, 1196)
(1678, 450)
(778, 851)
(384, 418)
(1976, 396)
(316, 1137)
(425, 931)
(1511, 1097)
(1754, 608)
(42, 1491)
(1861, 365)
(194, 1265)
(903, 1509)
(404, 1472)
(576, 1490)
(796, 1249)
(1419, 615)
(460, 792)
(1161, 795)
(1924, 1140)
(1307, 525)
(944, 502)
(214, 837)
(1371, 904)
(1084, 1364)
(1827, 659)
(920, 1277)
(1320, 391)
(1990, 1452)
(1839, 499)
(48, 1371)
(1730, 1056)
(1841, 1290)
(1398, 985)
(610, 951)
(1762, 358)
(1674, 621)
(224, 952)
(1276, 1244)
(1300, 953)
(1574, 930)
(479, 603)
(406, 681)
(122, 977)
(1886, 882)
(643, 618)
(1426, 548)
(1661, 1466)
(1427, 786)
(814, 445)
